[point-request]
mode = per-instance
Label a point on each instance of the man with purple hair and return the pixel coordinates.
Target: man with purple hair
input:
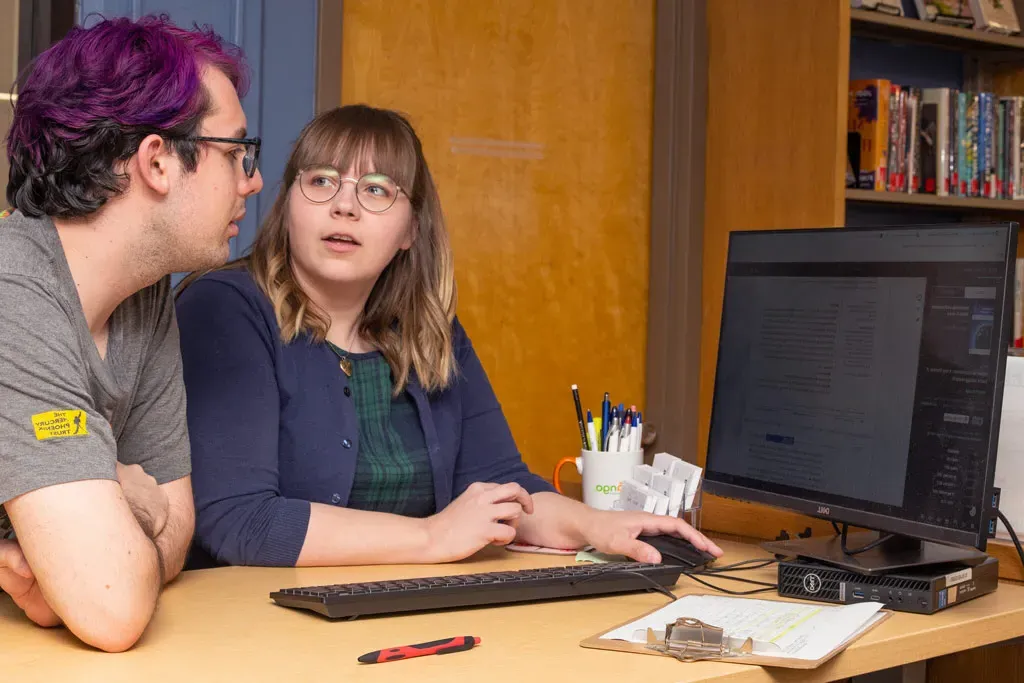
(129, 161)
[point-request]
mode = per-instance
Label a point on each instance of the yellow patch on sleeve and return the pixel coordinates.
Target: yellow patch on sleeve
(59, 423)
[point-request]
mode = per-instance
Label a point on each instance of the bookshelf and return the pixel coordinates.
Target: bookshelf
(990, 61)
(776, 158)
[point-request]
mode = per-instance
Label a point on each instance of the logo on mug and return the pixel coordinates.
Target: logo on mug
(607, 488)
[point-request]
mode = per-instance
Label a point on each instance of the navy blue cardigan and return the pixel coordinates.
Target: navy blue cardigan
(273, 427)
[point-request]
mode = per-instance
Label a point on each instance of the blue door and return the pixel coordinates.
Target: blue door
(279, 39)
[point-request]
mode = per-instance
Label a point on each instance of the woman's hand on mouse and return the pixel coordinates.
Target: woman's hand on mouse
(615, 533)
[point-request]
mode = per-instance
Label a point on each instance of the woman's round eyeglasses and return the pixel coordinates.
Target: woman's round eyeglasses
(375, 192)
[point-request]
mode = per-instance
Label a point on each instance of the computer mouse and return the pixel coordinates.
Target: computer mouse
(678, 551)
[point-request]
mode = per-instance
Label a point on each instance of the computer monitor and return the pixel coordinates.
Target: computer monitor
(859, 380)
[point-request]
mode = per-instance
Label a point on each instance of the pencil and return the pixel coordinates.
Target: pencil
(579, 417)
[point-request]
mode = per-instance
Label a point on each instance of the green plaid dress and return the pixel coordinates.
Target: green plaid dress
(393, 472)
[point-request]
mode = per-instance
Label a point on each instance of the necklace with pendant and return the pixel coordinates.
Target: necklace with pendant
(344, 362)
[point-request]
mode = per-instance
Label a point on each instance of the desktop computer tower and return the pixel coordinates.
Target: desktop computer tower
(920, 591)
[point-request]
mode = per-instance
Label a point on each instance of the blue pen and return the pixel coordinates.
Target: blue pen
(606, 406)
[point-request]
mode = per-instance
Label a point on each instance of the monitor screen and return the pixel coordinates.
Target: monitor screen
(860, 374)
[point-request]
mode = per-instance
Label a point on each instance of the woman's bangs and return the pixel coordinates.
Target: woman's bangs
(382, 148)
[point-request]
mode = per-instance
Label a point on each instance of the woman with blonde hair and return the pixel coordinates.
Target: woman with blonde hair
(338, 414)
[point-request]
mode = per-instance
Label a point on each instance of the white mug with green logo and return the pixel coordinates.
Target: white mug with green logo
(603, 473)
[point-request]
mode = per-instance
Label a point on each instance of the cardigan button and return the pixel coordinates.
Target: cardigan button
(348, 392)
(336, 498)
(345, 443)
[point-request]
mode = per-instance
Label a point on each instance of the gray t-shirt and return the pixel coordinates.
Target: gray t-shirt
(66, 414)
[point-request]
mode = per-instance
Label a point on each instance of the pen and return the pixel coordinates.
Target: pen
(617, 435)
(579, 417)
(599, 428)
(435, 647)
(592, 432)
(613, 418)
(606, 407)
(637, 433)
(613, 435)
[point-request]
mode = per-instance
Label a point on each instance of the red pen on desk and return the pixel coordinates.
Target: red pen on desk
(434, 647)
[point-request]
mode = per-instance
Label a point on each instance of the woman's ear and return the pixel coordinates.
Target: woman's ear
(410, 235)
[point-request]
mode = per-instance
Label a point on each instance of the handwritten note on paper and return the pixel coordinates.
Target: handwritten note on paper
(778, 629)
(1010, 455)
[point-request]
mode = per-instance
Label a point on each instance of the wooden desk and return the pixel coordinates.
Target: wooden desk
(219, 625)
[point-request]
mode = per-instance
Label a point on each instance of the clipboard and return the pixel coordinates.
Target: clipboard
(708, 643)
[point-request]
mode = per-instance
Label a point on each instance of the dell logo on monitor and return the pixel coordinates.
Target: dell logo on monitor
(823, 510)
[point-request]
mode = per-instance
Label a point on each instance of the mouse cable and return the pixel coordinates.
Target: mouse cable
(699, 575)
(654, 584)
(743, 565)
(726, 571)
(767, 587)
(738, 566)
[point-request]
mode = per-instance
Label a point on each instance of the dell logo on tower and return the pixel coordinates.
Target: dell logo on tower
(823, 510)
(812, 583)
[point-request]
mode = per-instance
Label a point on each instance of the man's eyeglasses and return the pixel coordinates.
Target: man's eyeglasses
(375, 192)
(252, 150)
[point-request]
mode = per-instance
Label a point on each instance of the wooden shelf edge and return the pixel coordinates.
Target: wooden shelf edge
(931, 200)
(871, 23)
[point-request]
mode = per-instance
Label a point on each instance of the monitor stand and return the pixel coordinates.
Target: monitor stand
(898, 553)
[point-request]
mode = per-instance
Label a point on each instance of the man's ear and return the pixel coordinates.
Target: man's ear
(153, 164)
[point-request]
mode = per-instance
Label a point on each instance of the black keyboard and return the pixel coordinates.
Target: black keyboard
(350, 600)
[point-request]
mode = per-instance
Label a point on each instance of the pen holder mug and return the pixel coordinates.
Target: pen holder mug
(603, 473)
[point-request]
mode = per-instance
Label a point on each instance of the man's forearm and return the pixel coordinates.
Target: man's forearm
(102, 584)
(161, 543)
(173, 542)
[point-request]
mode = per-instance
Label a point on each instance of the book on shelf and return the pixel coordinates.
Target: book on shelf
(893, 7)
(868, 134)
(998, 16)
(938, 141)
(948, 12)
